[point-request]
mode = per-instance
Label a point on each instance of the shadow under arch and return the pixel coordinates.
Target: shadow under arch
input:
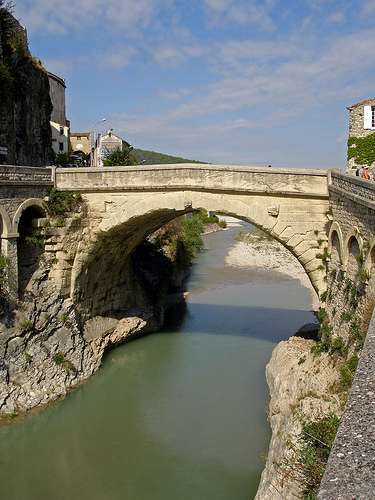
(28, 253)
(101, 279)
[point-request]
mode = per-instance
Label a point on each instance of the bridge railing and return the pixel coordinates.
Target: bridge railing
(350, 468)
(359, 190)
(10, 174)
(185, 176)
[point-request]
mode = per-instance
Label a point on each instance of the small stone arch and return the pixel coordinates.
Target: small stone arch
(28, 252)
(335, 245)
(352, 248)
(36, 203)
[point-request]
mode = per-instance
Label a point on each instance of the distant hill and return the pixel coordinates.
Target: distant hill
(151, 158)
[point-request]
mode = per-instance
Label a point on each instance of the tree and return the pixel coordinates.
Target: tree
(191, 235)
(120, 158)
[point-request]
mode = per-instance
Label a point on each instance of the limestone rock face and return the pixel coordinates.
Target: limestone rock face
(25, 104)
(298, 381)
(42, 350)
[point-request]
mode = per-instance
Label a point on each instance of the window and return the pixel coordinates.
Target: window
(61, 130)
(368, 117)
(61, 146)
(78, 137)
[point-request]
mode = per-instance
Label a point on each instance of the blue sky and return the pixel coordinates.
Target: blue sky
(234, 82)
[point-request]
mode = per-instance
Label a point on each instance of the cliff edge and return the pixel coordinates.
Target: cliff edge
(25, 104)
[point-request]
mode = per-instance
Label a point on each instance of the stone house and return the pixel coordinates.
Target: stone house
(60, 126)
(361, 125)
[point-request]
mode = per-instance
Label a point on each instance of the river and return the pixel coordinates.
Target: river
(178, 414)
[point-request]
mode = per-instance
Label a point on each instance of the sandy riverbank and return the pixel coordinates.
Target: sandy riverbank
(270, 255)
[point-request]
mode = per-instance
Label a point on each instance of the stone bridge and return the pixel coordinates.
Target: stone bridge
(325, 218)
(125, 204)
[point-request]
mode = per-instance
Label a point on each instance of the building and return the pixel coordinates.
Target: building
(80, 141)
(110, 142)
(60, 126)
(361, 126)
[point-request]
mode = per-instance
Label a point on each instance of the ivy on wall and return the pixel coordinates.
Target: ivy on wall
(362, 149)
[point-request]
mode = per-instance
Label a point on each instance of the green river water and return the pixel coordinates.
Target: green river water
(178, 414)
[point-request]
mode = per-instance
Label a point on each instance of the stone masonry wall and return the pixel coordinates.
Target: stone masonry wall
(356, 127)
(350, 294)
(348, 306)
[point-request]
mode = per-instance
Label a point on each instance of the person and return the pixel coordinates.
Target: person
(360, 171)
(357, 172)
(365, 174)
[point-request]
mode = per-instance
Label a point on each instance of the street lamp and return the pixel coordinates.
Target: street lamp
(91, 140)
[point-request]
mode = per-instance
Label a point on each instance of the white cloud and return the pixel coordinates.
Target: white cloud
(253, 12)
(58, 17)
(116, 57)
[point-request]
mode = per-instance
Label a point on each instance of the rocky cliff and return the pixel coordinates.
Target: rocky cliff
(299, 384)
(25, 104)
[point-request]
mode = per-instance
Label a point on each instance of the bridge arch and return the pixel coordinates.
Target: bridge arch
(128, 220)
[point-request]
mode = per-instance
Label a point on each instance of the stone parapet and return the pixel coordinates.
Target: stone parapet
(184, 176)
(350, 469)
(359, 190)
(10, 174)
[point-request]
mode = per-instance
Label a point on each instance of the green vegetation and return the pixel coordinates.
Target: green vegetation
(191, 235)
(60, 359)
(62, 159)
(329, 211)
(59, 222)
(11, 42)
(316, 441)
(363, 275)
(60, 203)
(4, 261)
(120, 157)
(152, 158)
(362, 149)
(180, 239)
(325, 255)
(346, 316)
(36, 240)
(26, 325)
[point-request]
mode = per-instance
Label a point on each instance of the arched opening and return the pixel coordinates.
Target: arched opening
(30, 243)
(104, 280)
(354, 257)
(336, 257)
